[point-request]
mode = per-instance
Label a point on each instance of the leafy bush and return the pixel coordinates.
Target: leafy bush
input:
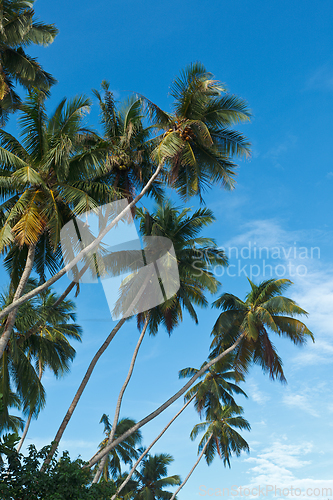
(21, 478)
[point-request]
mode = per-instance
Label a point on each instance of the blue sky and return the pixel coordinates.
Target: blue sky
(278, 56)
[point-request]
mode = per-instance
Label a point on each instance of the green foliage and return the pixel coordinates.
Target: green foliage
(220, 434)
(196, 140)
(127, 144)
(217, 386)
(40, 339)
(264, 311)
(18, 30)
(124, 452)
(45, 180)
(195, 256)
(20, 477)
(7, 441)
(152, 478)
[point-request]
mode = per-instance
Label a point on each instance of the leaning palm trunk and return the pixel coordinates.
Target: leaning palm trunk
(96, 458)
(80, 390)
(13, 309)
(86, 378)
(194, 466)
(131, 472)
(21, 300)
(120, 398)
(27, 425)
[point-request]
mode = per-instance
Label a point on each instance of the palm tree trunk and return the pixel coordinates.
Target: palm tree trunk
(131, 472)
(120, 398)
(194, 466)
(28, 422)
(86, 378)
(83, 252)
(13, 307)
(80, 390)
(165, 405)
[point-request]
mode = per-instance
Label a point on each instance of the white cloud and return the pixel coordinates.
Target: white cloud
(279, 467)
(267, 243)
(253, 391)
(301, 402)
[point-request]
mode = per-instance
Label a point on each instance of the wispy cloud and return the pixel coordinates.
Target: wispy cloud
(321, 79)
(301, 402)
(257, 395)
(268, 250)
(281, 466)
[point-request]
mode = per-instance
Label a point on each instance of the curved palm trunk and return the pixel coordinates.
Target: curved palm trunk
(80, 390)
(165, 405)
(83, 252)
(131, 472)
(84, 382)
(194, 466)
(120, 398)
(13, 307)
(28, 422)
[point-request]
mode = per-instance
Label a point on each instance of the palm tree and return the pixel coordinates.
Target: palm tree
(183, 230)
(8, 421)
(126, 142)
(220, 436)
(125, 482)
(207, 394)
(195, 255)
(216, 386)
(265, 310)
(44, 182)
(47, 342)
(243, 327)
(19, 29)
(199, 131)
(152, 479)
(125, 452)
(19, 383)
(38, 341)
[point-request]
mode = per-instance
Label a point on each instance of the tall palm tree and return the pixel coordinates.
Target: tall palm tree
(183, 230)
(243, 327)
(18, 30)
(19, 383)
(124, 453)
(264, 311)
(152, 478)
(214, 395)
(199, 131)
(127, 143)
(44, 182)
(220, 437)
(207, 394)
(48, 341)
(40, 340)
